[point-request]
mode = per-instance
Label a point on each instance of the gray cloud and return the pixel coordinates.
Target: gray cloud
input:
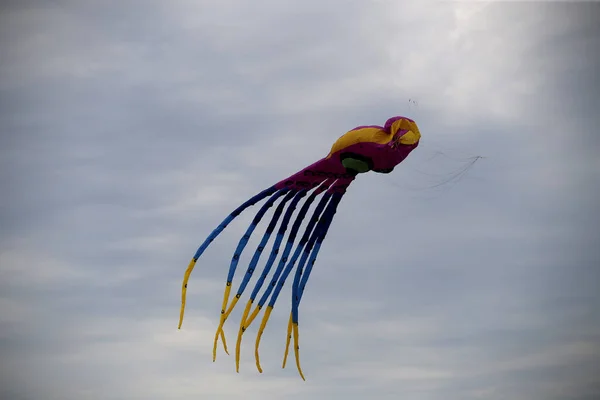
(128, 134)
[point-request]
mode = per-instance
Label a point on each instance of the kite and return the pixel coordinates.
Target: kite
(360, 150)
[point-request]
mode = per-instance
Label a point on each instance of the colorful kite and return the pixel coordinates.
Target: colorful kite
(363, 149)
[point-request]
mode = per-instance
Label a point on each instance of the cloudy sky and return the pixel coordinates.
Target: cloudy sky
(130, 129)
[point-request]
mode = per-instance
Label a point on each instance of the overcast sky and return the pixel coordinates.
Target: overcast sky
(130, 129)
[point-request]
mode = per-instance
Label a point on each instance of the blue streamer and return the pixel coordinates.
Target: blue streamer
(281, 281)
(301, 278)
(289, 245)
(288, 214)
(252, 201)
(244, 240)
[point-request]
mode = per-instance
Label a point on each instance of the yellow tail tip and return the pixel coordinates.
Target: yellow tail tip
(297, 350)
(261, 329)
(257, 358)
(224, 342)
(186, 277)
(287, 342)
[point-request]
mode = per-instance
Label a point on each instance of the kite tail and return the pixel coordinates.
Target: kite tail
(330, 199)
(297, 196)
(236, 257)
(245, 321)
(252, 201)
(276, 276)
(301, 278)
(270, 261)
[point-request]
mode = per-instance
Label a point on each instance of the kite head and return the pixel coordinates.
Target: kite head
(404, 131)
(377, 148)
